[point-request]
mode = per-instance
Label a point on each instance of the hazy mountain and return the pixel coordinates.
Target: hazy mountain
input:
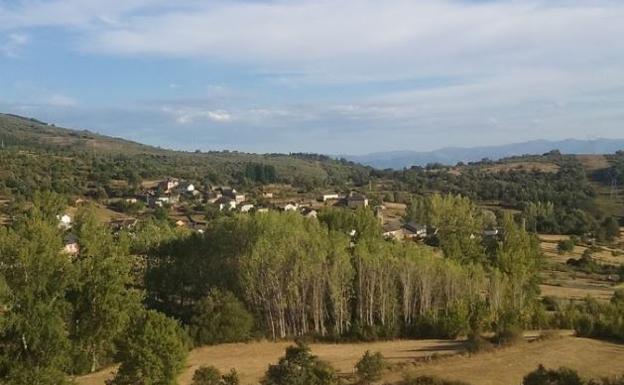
(453, 155)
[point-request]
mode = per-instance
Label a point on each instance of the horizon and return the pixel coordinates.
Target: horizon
(313, 76)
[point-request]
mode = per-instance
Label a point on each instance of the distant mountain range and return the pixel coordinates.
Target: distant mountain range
(453, 155)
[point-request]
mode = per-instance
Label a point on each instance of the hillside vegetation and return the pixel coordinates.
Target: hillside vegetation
(35, 155)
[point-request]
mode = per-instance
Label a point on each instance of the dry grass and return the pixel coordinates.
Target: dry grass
(252, 359)
(561, 283)
(591, 358)
(523, 166)
(593, 162)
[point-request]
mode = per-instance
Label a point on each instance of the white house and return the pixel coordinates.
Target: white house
(309, 212)
(226, 203)
(291, 207)
(246, 207)
(65, 221)
(329, 197)
(357, 200)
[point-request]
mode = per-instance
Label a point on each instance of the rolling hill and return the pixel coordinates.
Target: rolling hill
(453, 155)
(19, 133)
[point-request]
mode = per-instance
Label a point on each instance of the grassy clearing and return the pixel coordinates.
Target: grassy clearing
(560, 281)
(592, 358)
(523, 166)
(252, 359)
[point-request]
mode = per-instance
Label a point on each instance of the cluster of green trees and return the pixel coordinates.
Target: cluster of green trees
(547, 218)
(562, 202)
(592, 318)
(565, 376)
(337, 278)
(64, 314)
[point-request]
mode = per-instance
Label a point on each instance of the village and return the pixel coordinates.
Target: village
(187, 205)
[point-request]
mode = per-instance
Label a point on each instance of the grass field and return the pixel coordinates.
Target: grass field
(252, 359)
(561, 281)
(591, 358)
(504, 366)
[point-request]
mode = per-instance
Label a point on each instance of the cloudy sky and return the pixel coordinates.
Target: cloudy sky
(327, 76)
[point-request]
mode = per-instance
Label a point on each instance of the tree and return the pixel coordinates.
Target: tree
(220, 317)
(35, 276)
(102, 298)
(152, 353)
(611, 228)
(369, 368)
(300, 367)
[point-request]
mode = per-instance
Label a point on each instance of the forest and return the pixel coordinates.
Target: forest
(156, 291)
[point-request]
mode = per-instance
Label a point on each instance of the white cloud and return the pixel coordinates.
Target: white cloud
(59, 100)
(14, 44)
(360, 40)
(185, 115)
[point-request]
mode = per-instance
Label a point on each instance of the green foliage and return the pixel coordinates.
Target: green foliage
(220, 317)
(429, 380)
(458, 222)
(152, 352)
(300, 367)
(370, 367)
(209, 375)
(35, 278)
(561, 376)
(600, 320)
(206, 375)
(565, 246)
(102, 300)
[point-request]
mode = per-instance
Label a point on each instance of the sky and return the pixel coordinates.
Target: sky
(323, 76)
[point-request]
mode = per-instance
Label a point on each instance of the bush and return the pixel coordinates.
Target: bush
(509, 335)
(369, 367)
(152, 353)
(561, 376)
(209, 375)
(478, 344)
(300, 367)
(429, 380)
(220, 317)
(565, 246)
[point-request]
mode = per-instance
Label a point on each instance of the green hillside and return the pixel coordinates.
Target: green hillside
(37, 155)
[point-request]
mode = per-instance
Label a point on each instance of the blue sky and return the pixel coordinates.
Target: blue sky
(326, 76)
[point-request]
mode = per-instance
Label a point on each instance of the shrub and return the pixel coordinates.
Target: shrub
(209, 375)
(565, 246)
(152, 353)
(509, 335)
(561, 376)
(369, 367)
(477, 344)
(220, 317)
(300, 367)
(429, 380)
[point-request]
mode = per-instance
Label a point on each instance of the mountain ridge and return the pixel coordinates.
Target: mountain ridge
(453, 155)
